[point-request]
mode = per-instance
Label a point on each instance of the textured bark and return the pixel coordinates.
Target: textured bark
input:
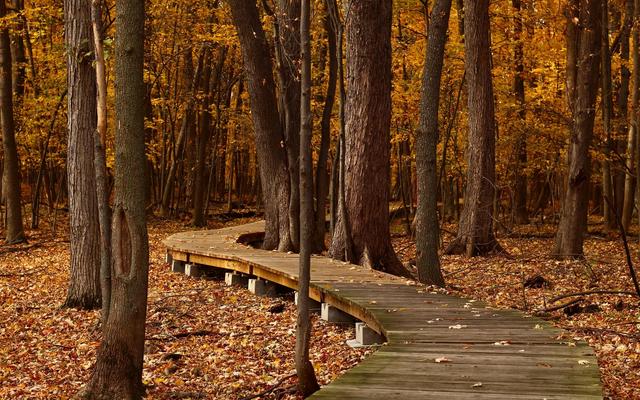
(607, 119)
(427, 226)
(368, 118)
(84, 281)
(623, 103)
(117, 373)
(269, 139)
(288, 15)
(11, 171)
(475, 231)
(521, 214)
(322, 175)
(100, 163)
(18, 51)
(583, 67)
(307, 382)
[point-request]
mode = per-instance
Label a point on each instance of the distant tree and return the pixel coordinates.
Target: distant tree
(521, 214)
(272, 158)
(84, 281)
(117, 373)
(363, 221)
(11, 172)
(475, 231)
(307, 382)
(583, 66)
(427, 225)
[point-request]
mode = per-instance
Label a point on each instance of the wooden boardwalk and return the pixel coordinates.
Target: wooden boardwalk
(484, 353)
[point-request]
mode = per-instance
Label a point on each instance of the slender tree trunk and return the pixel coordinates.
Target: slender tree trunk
(19, 55)
(427, 226)
(322, 175)
(268, 131)
(520, 196)
(475, 231)
(187, 131)
(307, 382)
(368, 119)
(84, 283)
(607, 119)
(117, 373)
(623, 102)
(11, 171)
(100, 163)
(583, 67)
(288, 15)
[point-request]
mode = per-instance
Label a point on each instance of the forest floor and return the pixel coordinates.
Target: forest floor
(204, 340)
(209, 341)
(528, 279)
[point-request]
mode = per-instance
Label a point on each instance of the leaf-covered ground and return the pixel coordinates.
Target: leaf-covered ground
(204, 339)
(609, 323)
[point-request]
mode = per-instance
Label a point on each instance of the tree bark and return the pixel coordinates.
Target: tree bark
(367, 129)
(427, 225)
(322, 175)
(475, 231)
(623, 103)
(288, 15)
(84, 281)
(11, 172)
(307, 382)
(100, 162)
(268, 131)
(118, 371)
(520, 196)
(607, 119)
(583, 67)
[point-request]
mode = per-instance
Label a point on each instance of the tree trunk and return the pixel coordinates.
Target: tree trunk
(623, 102)
(19, 55)
(367, 129)
(583, 67)
(269, 138)
(100, 163)
(11, 171)
(427, 225)
(118, 371)
(607, 119)
(322, 175)
(475, 231)
(84, 282)
(307, 382)
(520, 196)
(288, 16)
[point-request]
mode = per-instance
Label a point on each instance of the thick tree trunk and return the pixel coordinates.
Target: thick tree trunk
(583, 67)
(307, 382)
(368, 118)
(84, 281)
(118, 370)
(11, 172)
(274, 175)
(288, 15)
(520, 195)
(427, 225)
(475, 231)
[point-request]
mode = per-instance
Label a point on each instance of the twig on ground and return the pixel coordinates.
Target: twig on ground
(271, 389)
(558, 307)
(592, 292)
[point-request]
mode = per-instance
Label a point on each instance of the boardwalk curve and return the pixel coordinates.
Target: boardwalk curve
(438, 346)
